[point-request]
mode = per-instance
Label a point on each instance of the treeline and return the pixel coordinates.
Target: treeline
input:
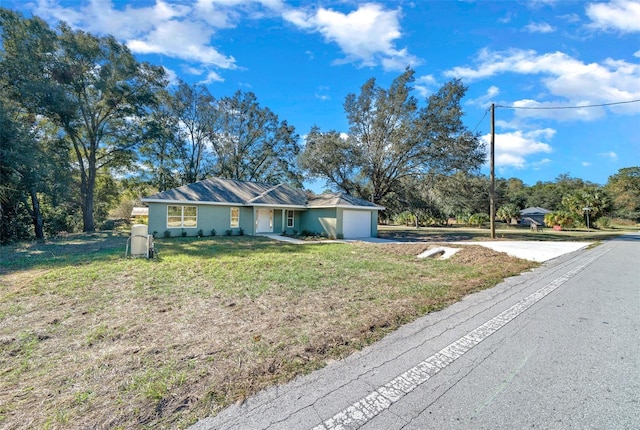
(465, 197)
(86, 130)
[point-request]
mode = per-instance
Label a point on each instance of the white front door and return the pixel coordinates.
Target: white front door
(264, 221)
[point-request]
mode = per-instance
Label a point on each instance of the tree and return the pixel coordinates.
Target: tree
(159, 153)
(249, 142)
(391, 138)
(624, 190)
(90, 87)
(563, 219)
(508, 213)
(512, 191)
(591, 197)
(191, 116)
(462, 193)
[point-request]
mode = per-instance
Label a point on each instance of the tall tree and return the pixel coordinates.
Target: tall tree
(624, 190)
(91, 87)
(161, 153)
(391, 137)
(250, 143)
(192, 109)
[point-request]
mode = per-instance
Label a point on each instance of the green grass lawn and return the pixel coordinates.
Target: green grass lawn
(89, 338)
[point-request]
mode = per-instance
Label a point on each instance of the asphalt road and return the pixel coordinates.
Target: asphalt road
(555, 348)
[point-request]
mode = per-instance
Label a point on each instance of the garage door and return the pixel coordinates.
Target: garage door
(356, 224)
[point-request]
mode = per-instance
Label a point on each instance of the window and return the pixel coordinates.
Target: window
(290, 218)
(235, 217)
(182, 216)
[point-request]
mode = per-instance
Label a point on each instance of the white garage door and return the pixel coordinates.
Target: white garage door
(356, 224)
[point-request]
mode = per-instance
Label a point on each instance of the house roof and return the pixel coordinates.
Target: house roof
(243, 193)
(228, 191)
(339, 200)
(534, 211)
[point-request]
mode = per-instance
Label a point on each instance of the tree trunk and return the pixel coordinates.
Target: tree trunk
(87, 189)
(36, 216)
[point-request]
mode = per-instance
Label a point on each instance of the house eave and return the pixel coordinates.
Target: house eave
(207, 203)
(370, 208)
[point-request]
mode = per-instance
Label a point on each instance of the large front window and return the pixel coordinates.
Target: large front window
(235, 217)
(182, 216)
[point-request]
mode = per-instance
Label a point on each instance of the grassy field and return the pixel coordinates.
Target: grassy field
(90, 339)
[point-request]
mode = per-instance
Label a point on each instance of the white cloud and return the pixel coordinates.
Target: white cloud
(176, 30)
(486, 99)
(172, 76)
(586, 163)
(609, 155)
(366, 35)
(188, 41)
(539, 27)
(569, 82)
(621, 15)
(425, 84)
(211, 77)
(513, 149)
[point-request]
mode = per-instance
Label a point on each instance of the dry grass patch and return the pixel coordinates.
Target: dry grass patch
(90, 339)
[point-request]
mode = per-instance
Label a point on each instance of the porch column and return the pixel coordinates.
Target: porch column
(284, 214)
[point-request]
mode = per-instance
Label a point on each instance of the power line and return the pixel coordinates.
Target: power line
(566, 107)
(482, 119)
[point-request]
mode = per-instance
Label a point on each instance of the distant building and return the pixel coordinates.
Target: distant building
(533, 215)
(140, 214)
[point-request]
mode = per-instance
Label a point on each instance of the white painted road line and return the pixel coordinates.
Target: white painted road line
(362, 411)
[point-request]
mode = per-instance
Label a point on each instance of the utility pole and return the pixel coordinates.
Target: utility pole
(492, 185)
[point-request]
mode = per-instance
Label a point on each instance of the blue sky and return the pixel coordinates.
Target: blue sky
(302, 58)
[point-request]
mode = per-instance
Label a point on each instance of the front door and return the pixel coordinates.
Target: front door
(264, 222)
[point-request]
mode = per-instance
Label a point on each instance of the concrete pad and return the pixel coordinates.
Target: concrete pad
(445, 252)
(530, 249)
(281, 238)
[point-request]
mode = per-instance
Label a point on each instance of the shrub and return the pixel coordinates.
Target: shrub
(184, 233)
(200, 233)
(240, 232)
(603, 222)
(228, 232)
(405, 218)
(463, 218)
(478, 219)
(167, 233)
(213, 232)
(562, 218)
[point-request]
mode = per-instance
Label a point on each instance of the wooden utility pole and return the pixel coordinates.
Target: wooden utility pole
(492, 185)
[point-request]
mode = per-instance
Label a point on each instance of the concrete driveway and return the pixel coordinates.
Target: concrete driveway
(526, 249)
(530, 249)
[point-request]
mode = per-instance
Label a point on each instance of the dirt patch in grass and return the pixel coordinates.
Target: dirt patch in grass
(93, 340)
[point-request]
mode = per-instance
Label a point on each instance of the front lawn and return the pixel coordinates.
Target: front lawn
(89, 339)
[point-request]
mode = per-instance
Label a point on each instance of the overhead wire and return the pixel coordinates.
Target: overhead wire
(567, 107)
(481, 119)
